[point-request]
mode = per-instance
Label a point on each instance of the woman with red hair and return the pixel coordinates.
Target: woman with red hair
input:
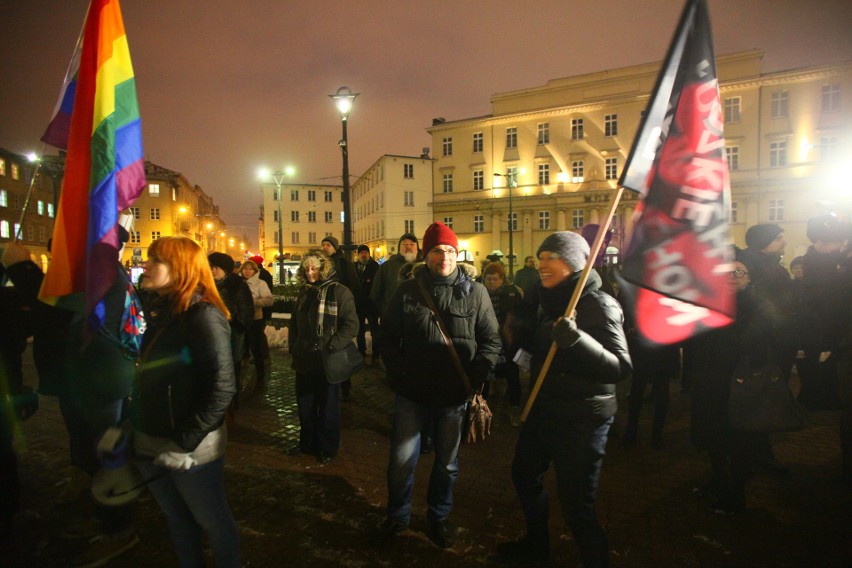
(183, 389)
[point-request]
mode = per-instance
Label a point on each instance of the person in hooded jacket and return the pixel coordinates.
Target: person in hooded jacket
(184, 387)
(324, 317)
(570, 419)
(262, 297)
(237, 297)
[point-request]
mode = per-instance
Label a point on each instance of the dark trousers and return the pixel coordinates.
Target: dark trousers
(576, 448)
(86, 419)
(256, 341)
(319, 414)
(660, 393)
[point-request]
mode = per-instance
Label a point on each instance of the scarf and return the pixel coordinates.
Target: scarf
(326, 307)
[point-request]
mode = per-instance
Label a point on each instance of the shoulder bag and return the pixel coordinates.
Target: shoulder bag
(340, 364)
(478, 419)
(761, 401)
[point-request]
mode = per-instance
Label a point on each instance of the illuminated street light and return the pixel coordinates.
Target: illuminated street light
(278, 178)
(343, 99)
(511, 182)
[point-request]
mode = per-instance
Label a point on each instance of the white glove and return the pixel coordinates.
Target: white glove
(175, 458)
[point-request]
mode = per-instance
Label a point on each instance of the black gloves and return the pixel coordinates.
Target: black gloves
(565, 332)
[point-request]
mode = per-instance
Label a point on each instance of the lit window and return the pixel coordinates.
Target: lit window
(478, 180)
(578, 170)
(577, 129)
(40, 207)
(154, 189)
(50, 210)
(777, 154)
(447, 146)
(477, 141)
(543, 174)
(780, 104)
(611, 168)
(511, 137)
(611, 125)
(732, 109)
(4, 198)
(16, 174)
(830, 100)
(544, 133)
(4, 230)
(732, 154)
(544, 219)
(2, 167)
(448, 183)
(512, 176)
(478, 223)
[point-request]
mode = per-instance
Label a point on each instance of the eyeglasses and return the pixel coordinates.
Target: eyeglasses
(739, 273)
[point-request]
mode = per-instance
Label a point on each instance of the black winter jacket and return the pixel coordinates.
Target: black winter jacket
(418, 361)
(581, 379)
(237, 297)
(186, 375)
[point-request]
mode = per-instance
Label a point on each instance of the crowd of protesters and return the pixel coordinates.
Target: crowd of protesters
(176, 343)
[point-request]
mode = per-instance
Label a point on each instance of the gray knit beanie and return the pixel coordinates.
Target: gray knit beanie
(571, 247)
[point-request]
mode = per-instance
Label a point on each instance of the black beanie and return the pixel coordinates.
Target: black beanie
(759, 237)
(827, 228)
(571, 247)
(409, 237)
(363, 248)
(332, 241)
(221, 260)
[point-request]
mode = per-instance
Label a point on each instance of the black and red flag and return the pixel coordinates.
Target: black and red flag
(679, 256)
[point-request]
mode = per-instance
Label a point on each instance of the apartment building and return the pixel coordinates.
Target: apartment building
(548, 158)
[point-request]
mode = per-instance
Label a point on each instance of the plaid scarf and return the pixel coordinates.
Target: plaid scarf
(326, 308)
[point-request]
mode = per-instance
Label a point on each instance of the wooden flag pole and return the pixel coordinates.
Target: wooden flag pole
(575, 297)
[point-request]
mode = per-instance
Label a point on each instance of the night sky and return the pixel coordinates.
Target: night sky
(226, 87)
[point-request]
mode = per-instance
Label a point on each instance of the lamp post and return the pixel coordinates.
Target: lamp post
(343, 98)
(511, 182)
(278, 178)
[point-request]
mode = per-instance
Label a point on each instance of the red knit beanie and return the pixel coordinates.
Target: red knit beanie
(439, 234)
(257, 259)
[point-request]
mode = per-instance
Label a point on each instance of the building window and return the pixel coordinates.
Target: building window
(294, 195)
(611, 168)
(4, 198)
(136, 212)
(827, 147)
(776, 210)
(50, 210)
(830, 100)
(312, 216)
(155, 213)
(577, 129)
(4, 230)
(328, 197)
(312, 238)
(543, 174)
(732, 154)
(312, 195)
(30, 233)
(448, 146)
(448, 183)
(448, 221)
(477, 141)
(577, 219)
(733, 215)
(478, 180)
(328, 217)
(512, 221)
(154, 189)
(16, 230)
(2, 167)
(544, 220)
(611, 125)
(294, 216)
(780, 105)
(40, 207)
(777, 154)
(578, 171)
(275, 237)
(732, 109)
(409, 199)
(409, 226)
(41, 234)
(544, 133)
(275, 216)
(511, 137)
(135, 237)
(15, 172)
(155, 235)
(408, 171)
(294, 237)
(479, 223)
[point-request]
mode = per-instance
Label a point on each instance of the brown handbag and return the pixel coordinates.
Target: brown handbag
(477, 425)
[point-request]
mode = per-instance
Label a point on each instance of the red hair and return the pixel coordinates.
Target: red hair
(190, 272)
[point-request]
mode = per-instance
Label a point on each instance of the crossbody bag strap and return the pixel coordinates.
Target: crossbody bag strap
(427, 299)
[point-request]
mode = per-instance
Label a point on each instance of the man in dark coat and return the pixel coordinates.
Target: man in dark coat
(429, 389)
(387, 277)
(345, 269)
(570, 420)
(527, 277)
(367, 310)
(237, 297)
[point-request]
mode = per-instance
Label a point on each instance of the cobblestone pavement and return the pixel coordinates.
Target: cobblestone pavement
(293, 512)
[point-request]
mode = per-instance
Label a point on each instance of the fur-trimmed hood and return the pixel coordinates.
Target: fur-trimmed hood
(462, 285)
(326, 266)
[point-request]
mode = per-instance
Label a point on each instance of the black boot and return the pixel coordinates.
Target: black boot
(532, 550)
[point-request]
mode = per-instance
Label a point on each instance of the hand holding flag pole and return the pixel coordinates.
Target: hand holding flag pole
(575, 297)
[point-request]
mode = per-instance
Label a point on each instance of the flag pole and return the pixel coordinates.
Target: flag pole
(575, 297)
(17, 236)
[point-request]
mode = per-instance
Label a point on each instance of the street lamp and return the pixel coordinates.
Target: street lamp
(278, 178)
(344, 98)
(511, 182)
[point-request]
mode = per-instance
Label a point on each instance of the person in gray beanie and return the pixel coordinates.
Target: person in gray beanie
(570, 420)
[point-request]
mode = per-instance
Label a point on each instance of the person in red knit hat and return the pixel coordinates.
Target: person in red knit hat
(265, 276)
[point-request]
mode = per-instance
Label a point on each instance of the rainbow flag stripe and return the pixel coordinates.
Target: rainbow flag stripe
(104, 168)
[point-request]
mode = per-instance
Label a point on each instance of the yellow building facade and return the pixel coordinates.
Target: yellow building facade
(551, 155)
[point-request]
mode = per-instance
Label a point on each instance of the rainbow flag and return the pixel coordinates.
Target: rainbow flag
(104, 169)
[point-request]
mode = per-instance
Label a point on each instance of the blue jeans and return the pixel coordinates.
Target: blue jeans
(409, 420)
(319, 414)
(576, 447)
(194, 504)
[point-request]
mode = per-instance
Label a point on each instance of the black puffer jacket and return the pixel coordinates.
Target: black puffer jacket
(417, 359)
(581, 379)
(238, 299)
(186, 376)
